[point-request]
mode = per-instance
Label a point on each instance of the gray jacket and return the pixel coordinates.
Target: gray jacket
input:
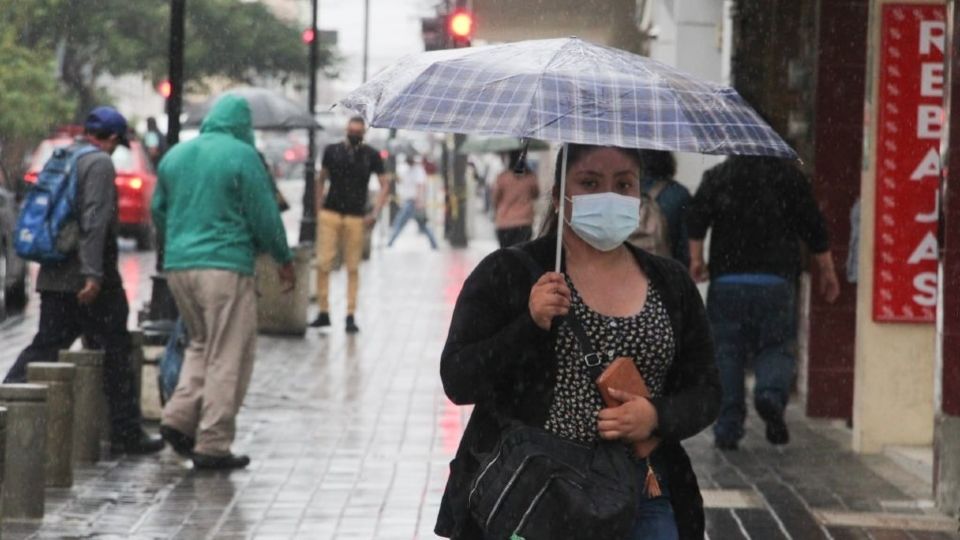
(96, 212)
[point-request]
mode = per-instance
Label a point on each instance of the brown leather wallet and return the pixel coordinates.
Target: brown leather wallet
(623, 375)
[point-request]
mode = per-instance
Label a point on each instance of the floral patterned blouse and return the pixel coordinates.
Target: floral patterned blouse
(647, 337)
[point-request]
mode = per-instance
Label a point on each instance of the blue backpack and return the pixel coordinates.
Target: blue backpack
(48, 207)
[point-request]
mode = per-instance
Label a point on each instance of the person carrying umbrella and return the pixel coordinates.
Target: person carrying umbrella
(509, 345)
(525, 346)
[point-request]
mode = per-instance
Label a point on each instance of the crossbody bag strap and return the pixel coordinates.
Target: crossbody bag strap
(591, 359)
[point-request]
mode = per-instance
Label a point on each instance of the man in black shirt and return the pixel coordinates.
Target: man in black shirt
(759, 210)
(343, 214)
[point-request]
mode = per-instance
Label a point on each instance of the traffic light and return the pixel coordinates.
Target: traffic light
(164, 88)
(460, 27)
(308, 35)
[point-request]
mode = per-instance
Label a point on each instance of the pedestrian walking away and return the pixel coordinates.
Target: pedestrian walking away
(215, 209)
(155, 142)
(759, 210)
(514, 193)
(411, 184)
(343, 214)
(83, 295)
(658, 181)
(515, 354)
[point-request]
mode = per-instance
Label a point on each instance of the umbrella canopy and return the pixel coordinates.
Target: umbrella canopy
(565, 90)
(482, 145)
(270, 110)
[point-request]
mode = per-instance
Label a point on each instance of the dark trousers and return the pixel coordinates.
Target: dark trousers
(514, 235)
(758, 322)
(103, 325)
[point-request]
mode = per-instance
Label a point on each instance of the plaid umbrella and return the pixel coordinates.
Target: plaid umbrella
(565, 90)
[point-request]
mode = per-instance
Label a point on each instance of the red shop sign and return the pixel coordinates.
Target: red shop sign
(911, 119)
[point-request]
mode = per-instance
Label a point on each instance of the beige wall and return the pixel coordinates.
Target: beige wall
(611, 22)
(894, 373)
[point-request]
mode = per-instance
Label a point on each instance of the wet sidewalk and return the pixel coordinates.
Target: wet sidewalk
(350, 439)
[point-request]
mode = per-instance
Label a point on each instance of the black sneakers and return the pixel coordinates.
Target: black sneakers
(323, 319)
(352, 327)
(772, 414)
(181, 444)
(219, 463)
(139, 443)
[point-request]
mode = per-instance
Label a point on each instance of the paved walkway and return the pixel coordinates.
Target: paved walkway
(350, 439)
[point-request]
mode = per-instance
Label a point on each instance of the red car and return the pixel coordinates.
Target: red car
(136, 181)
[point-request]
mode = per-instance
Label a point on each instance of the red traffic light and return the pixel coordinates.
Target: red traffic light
(308, 35)
(460, 24)
(165, 88)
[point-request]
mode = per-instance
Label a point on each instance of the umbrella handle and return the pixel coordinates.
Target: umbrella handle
(563, 192)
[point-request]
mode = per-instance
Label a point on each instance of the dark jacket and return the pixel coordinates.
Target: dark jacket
(497, 358)
(759, 209)
(96, 210)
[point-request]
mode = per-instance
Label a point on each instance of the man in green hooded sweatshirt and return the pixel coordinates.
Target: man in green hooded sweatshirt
(215, 211)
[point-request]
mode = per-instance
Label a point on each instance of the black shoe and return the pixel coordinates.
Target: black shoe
(219, 463)
(726, 444)
(323, 319)
(137, 444)
(181, 444)
(352, 327)
(772, 414)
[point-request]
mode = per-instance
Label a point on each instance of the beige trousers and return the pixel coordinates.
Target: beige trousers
(219, 309)
(333, 229)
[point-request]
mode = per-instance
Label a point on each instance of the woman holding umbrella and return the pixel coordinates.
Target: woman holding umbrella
(512, 353)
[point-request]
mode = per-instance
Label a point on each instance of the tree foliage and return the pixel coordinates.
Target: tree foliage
(224, 38)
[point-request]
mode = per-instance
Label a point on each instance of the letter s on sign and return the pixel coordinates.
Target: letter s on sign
(926, 285)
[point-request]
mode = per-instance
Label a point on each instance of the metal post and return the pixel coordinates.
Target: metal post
(175, 101)
(160, 297)
(458, 229)
(366, 37)
(308, 223)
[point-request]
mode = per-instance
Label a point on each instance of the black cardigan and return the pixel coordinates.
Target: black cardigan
(497, 358)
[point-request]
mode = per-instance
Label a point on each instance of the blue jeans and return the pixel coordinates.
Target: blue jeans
(655, 519)
(758, 321)
(409, 211)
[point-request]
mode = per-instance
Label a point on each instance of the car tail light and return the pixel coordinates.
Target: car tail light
(133, 182)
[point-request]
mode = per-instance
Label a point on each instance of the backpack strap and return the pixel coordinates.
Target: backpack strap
(657, 188)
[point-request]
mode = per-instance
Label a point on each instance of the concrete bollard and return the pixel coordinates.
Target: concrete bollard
(151, 407)
(283, 313)
(25, 453)
(136, 361)
(87, 403)
(3, 452)
(58, 379)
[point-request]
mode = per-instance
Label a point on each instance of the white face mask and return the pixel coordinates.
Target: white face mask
(604, 220)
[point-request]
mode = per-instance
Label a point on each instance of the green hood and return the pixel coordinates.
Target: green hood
(230, 115)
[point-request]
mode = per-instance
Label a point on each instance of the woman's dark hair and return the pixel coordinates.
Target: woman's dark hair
(518, 162)
(576, 153)
(658, 164)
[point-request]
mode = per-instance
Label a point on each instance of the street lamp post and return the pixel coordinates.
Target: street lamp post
(308, 224)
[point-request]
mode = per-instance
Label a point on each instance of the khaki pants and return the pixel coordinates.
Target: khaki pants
(333, 229)
(219, 309)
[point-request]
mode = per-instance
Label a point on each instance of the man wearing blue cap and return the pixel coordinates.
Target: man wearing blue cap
(84, 296)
